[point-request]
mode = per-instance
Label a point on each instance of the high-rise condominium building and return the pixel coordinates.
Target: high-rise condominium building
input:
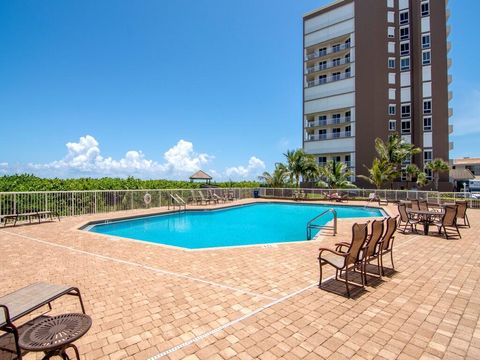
(372, 68)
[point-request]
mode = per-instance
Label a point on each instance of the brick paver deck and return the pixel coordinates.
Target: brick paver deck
(152, 301)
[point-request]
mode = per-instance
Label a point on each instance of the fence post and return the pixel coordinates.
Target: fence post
(73, 204)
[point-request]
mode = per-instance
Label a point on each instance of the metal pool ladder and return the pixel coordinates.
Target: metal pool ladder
(176, 200)
(311, 225)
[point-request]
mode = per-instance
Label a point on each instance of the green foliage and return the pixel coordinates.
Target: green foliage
(335, 175)
(380, 172)
(437, 166)
(277, 179)
(300, 165)
(26, 182)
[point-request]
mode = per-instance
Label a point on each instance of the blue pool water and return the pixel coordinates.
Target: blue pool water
(241, 225)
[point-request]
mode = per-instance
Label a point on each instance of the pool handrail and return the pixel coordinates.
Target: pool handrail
(311, 225)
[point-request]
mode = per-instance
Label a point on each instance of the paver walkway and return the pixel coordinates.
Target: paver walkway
(151, 301)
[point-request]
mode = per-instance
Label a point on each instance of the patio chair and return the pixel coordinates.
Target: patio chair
(415, 205)
(24, 301)
(405, 218)
(385, 246)
(370, 251)
(448, 221)
(346, 256)
(462, 213)
(423, 205)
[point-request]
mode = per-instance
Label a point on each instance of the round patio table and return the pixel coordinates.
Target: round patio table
(56, 334)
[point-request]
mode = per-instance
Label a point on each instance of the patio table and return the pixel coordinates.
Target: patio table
(425, 217)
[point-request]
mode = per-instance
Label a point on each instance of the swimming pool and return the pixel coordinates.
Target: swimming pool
(261, 223)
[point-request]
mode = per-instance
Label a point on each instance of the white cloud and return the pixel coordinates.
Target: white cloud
(84, 158)
(255, 165)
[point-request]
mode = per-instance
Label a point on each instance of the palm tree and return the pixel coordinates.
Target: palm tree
(395, 152)
(379, 173)
(437, 166)
(300, 165)
(411, 172)
(335, 175)
(422, 179)
(276, 179)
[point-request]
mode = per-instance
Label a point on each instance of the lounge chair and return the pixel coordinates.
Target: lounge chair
(196, 198)
(372, 197)
(462, 213)
(205, 200)
(24, 301)
(405, 218)
(370, 250)
(346, 256)
(219, 198)
(210, 195)
(448, 221)
(337, 197)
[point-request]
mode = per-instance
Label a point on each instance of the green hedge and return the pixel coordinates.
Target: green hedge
(26, 182)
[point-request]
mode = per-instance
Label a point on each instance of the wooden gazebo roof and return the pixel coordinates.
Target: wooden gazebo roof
(201, 175)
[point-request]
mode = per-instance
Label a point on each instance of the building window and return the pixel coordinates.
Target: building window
(425, 41)
(405, 63)
(392, 125)
(336, 76)
(427, 156)
(427, 124)
(336, 133)
(337, 158)
(405, 48)
(336, 47)
(404, 18)
(406, 110)
(348, 116)
(391, 63)
(404, 33)
(428, 172)
(336, 118)
(426, 57)
(322, 120)
(322, 79)
(347, 58)
(406, 126)
(322, 65)
(425, 8)
(391, 109)
(322, 134)
(348, 130)
(322, 160)
(391, 32)
(348, 72)
(427, 106)
(390, 4)
(348, 42)
(348, 160)
(336, 62)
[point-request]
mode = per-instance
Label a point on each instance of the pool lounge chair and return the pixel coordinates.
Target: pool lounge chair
(205, 200)
(346, 256)
(24, 301)
(372, 197)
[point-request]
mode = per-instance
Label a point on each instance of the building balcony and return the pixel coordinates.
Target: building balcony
(329, 136)
(450, 112)
(449, 46)
(450, 128)
(448, 13)
(327, 65)
(449, 30)
(328, 51)
(331, 121)
(450, 146)
(328, 79)
(450, 79)
(449, 63)
(450, 95)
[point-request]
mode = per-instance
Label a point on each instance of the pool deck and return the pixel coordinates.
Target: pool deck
(255, 302)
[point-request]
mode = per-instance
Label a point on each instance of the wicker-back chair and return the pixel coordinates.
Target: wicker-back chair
(346, 256)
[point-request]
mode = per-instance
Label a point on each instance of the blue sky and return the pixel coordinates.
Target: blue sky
(157, 89)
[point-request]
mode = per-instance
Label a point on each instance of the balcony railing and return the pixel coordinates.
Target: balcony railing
(329, 136)
(330, 50)
(327, 65)
(331, 121)
(329, 79)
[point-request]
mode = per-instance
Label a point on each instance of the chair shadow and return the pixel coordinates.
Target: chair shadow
(337, 287)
